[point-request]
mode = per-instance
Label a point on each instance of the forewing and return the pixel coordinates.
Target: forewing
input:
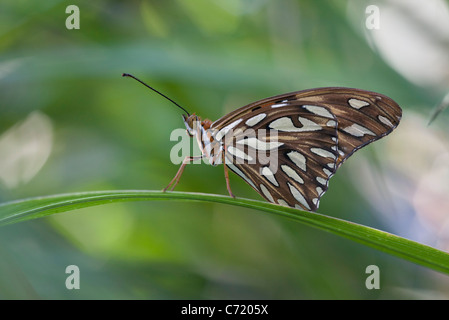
(362, 116)
(305, 136)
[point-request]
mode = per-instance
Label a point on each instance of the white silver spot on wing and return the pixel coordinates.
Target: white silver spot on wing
(308, 125)
(331, 123)
(322, 153)
(327, 172)
(298, 196)
(298, 159)
(257, 144)
(385, 121)
(266, 193)
(321, 180)
(255, 120)
(319, 190)
(292, 173)
(267, 173)
(282, 202)
(278, 105)
(220, 134)
(357, 130)
(320, 111)
(282, 124)
(286, 124)
(239, 153)
(357, 104)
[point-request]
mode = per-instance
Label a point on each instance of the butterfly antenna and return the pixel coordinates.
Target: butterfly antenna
(131, 76)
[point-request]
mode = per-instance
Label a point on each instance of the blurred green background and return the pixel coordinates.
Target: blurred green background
(69, 122)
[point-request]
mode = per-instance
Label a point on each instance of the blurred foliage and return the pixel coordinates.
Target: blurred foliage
(110, 133)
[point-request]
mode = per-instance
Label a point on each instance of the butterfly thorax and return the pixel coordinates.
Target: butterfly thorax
(211, 148)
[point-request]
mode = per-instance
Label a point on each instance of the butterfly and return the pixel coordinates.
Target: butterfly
(287, 147)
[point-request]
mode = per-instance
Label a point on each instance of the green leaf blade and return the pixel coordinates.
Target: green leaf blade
(32, 208)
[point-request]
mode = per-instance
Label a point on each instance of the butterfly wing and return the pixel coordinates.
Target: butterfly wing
(362, 116)
(305, 136)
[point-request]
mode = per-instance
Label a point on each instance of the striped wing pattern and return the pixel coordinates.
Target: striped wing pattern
(306, 136)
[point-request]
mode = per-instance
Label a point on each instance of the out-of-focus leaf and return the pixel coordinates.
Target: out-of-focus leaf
(443, 105)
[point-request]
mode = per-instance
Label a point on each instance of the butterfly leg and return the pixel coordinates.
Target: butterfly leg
(175, 180)
(228, 185)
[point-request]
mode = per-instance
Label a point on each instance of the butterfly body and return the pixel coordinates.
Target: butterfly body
(305, 135)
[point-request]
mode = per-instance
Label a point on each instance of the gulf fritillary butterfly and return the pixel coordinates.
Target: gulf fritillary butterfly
(312, 132)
